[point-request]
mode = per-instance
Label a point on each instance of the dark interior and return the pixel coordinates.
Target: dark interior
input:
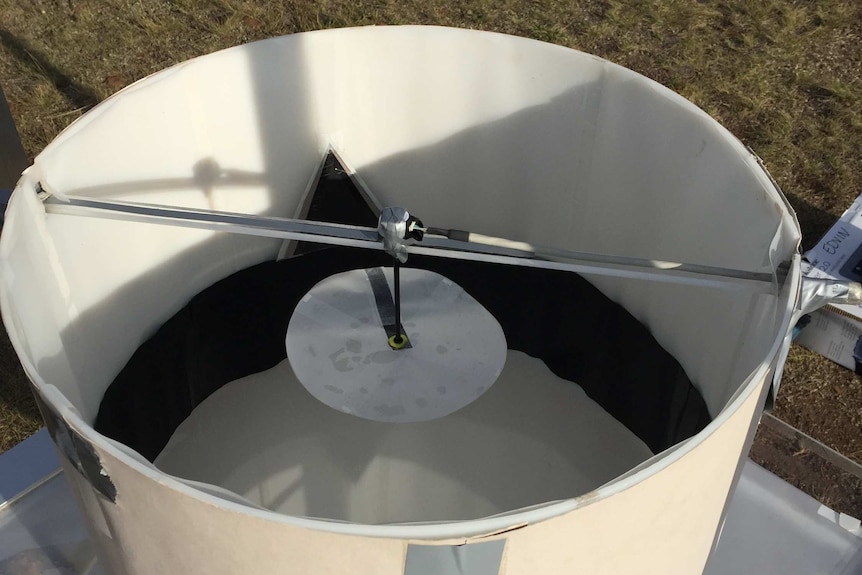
(237, 327)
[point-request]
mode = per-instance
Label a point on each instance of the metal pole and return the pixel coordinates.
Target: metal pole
(477, 247)
(397, 273)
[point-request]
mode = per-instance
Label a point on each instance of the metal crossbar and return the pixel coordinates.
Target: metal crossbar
(472, 247)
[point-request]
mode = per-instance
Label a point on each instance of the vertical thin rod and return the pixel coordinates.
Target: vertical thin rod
(397, 270)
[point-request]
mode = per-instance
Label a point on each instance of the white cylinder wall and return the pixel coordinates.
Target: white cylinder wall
(495, 134)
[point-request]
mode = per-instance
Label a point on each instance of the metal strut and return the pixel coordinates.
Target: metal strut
(436, 242)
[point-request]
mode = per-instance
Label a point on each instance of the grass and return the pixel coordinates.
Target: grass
(784, 76)
(19, 417)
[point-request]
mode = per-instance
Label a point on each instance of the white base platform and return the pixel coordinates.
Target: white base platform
(532, 438)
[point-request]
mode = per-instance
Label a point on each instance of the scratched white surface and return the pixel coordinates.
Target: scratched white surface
(338, 348)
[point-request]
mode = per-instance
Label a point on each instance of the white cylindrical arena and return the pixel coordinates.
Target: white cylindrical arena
(613, 435)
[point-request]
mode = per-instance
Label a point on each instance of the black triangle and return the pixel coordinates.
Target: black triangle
(336, 199)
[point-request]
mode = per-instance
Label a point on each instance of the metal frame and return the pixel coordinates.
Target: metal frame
(476, 247)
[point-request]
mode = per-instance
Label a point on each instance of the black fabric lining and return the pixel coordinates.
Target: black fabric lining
(336, 200)
(237, 327)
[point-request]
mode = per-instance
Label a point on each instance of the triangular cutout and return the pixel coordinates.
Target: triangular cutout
(335, 194)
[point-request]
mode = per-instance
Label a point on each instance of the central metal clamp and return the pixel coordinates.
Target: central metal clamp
(398, 229)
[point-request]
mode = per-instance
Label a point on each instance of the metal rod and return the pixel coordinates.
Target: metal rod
(805, 441)
(397, 273)
(495, 250)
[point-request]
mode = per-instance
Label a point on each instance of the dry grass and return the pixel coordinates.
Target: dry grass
(19, 417)
(784, 76)
(824, 400)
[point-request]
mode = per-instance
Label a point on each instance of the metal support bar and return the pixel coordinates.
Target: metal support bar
(396, 273)
(493, 250)
(807, 442)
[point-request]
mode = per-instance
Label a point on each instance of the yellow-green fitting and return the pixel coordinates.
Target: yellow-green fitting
(398, 344)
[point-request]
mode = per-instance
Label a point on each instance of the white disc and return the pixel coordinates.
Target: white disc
(339, 350)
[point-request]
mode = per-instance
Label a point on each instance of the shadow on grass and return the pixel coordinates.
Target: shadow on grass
(19, 416)
(814, 221)
(76, 93)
